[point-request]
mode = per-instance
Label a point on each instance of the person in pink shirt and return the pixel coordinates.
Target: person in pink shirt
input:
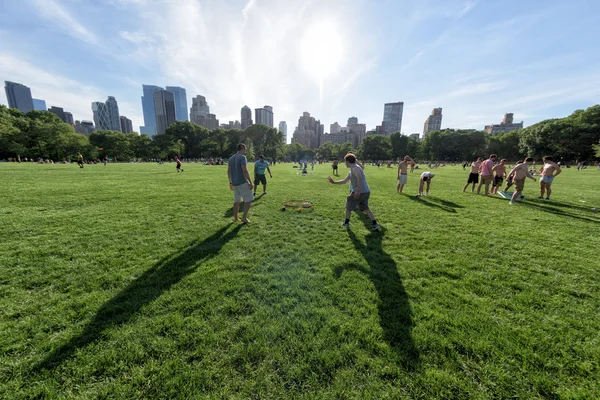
(487, 176)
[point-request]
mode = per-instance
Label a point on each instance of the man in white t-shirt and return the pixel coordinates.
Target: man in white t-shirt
(425, 177)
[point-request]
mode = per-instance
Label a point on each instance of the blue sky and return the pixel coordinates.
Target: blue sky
(332, 58)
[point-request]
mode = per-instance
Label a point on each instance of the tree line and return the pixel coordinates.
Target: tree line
(41, 134)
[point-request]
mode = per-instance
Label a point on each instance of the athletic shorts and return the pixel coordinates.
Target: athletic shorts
(486, 180)
(403, 179)
(362, 202)
(242, 192)
(498, 181)
(519, 184)
(473, 178)
(260, 179)
(547, 179)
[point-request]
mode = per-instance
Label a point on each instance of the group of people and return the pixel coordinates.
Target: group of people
(490, 172)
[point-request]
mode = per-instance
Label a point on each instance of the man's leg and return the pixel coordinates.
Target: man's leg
(247, 205)
(401, 188)
(428, 184)
(420, 187)
(236, 207)
(466, 186)
(479, 186)
(473, 187)
(548, 190)
(265, 188)
(542, 188)
(487, 187)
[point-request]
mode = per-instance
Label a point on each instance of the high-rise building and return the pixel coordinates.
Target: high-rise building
(69, 118)
(199, 110)
(334, 128)
(164, 109)
(246, 117)
(39, 105)
(84, 127)
(106, 115)
(181, 108)
(212, 122)
(59, 112)
(359, 131)
(18, 96)
(283, 128)
(149, 127)
(507, 125)
(433, 122)
(308, 132)
(126, 124)
(415, 135)
(392, 117)
(352, 121)
(264, 115)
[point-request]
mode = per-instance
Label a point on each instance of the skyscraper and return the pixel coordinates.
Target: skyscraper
(392, 117)
(69, 118)
(84, 127)
(264, 115)
(59, 112)
(39, 105)
(164, 109)
(308, 132)
(246, 117)
(507, 125)
(149, 127)
(283, 128)
(113, 113)
(106, 115)
(352, 121)
(126, 124)
(199, 111)
(433, 122)
(334, 128)
(212, 122)
(181, 108)
(18, 96)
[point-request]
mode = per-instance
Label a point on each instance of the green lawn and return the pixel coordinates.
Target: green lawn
(132, 281)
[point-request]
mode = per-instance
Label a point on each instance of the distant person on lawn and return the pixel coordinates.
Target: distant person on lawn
(259, 174)
(334, 167)
(500, 172)
(178, 164)
(359, 191)
(487, 175)
(520, 172)
(403, 172)
(80, 160)
(239, 182)
(425, 177)
(548, 172)
(473, 175)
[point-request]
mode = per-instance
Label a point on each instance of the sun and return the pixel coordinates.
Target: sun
(322, 49)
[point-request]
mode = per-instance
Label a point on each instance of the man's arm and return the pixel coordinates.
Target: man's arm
(229, 172)
(340, 182)
(558, 170)
(269, 169)
(247, 175)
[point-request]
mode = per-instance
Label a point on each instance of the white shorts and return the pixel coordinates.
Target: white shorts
(547, 179)
(242, 192)
(403, 179)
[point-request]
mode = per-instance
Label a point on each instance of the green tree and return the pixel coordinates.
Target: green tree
(141, 146)
(400, 145)
(296, 151)
(164, 146)
(375, 147)
(113, 144)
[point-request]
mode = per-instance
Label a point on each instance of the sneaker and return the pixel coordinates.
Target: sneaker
(264, 192)
(512, 203)
(346, 225)
(547, 198)
(376, 227)
(254, 194)
(427, 194)
(540, 197)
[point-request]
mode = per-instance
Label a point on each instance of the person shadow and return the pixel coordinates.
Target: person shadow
(395, 313)
(142, 291)
(433, 202)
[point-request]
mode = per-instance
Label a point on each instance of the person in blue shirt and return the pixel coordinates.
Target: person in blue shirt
(259, 174)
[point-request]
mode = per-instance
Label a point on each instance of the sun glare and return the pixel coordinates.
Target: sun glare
(322, 50)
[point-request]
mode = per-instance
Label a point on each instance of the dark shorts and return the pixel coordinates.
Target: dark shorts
(519, 184)
(362, 202)
(473, 178)
(260, 179)
(498, 181)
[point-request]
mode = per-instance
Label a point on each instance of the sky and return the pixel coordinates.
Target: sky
(477, 59)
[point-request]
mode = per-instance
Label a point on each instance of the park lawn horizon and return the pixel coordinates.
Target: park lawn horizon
(132, 281)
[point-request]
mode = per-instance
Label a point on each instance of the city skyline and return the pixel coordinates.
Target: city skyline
(536, 72)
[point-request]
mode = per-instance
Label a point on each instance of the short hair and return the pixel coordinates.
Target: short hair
(351, 158)
(241, 146)
(493, 156)
(261, 156)
(504, 159)
(529, 159)
(548, 158)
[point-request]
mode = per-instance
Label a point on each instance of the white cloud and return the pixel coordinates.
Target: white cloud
(54, 11)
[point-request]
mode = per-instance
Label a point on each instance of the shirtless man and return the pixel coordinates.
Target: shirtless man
(473, 175)
(487, 176)
(520, 172)
(402, 172)
(500, 171)
(548, 173)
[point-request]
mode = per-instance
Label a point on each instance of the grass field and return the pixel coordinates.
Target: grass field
(132, 281)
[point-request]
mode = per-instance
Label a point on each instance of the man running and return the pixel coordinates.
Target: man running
(486, 173)
(178, 161)
(520, 172)
(80, 160)
(402, 172)
(359, 191)
(259, 174)
(425, 177)
(473, 175)
(500, 173)
(548, 174)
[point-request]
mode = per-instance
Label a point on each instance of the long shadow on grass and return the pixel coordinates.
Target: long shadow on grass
(550, 207)
(395, 313)
(142, 291)
(436, 203)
